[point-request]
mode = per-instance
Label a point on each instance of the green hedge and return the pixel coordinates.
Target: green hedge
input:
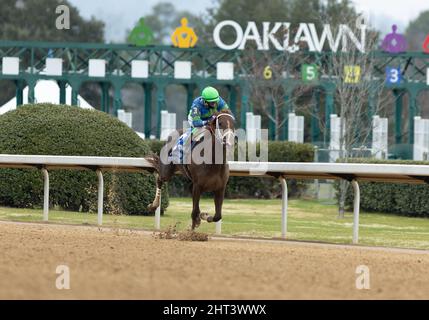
(46, 129)
(244, 187)
(397, 198)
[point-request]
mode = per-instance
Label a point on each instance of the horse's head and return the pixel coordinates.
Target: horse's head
(223, 127)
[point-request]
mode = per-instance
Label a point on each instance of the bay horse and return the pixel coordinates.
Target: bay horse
(205, 177)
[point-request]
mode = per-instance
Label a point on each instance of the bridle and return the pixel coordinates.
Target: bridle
(218, 135)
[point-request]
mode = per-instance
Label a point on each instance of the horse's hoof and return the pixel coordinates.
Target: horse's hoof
(195, 224)
(204, 216)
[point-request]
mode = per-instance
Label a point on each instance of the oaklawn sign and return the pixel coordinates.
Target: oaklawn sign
(306, 32)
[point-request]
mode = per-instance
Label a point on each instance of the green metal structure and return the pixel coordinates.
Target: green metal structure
(161, 59)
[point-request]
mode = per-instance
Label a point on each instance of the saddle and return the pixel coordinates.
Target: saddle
(185, 144)
(196, 136)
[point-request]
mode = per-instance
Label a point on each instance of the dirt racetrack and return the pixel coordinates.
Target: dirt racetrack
(120, 264)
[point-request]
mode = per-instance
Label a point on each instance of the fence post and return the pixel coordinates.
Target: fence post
(356, 208)
(45, 194)
(316, 181)
(219, 227)
(100, 197)
(158, 215)
(284, 206)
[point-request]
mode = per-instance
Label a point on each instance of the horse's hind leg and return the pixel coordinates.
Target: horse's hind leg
(156, 202)
(164, 175)
(196, 194)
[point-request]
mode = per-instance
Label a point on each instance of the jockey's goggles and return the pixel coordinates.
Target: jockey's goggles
(212, 104)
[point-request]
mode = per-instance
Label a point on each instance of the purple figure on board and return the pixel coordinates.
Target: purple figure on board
(394, 42)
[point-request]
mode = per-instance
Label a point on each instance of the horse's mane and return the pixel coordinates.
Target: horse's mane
(225, 111)
(228, 111)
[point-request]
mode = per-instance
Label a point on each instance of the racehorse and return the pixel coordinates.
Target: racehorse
(205, 177)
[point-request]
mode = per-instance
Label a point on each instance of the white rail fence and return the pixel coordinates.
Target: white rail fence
(417, 174)
(168, 124)
(379, 147)
(421, 139)
(295, 128)
(253, 127)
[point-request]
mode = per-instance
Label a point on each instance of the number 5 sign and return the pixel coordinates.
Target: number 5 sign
(309, 72)
(393, 75)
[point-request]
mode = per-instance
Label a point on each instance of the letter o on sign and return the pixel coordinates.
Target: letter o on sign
(238, 31)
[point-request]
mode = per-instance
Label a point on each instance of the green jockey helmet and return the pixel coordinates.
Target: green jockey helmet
(210, 94)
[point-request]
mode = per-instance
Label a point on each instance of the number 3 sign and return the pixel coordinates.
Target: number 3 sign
(393, 75)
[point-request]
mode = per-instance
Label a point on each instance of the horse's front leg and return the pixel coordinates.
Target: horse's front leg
(218, 199)
(196, 194)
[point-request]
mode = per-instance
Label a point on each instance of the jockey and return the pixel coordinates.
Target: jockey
(202, 112)
(204, 107)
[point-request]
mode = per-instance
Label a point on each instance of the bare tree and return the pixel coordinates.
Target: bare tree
(352, 70)
(358, 95)
(266, 73)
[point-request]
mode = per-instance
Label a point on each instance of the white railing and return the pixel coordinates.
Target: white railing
(98, 164)
(282, 170)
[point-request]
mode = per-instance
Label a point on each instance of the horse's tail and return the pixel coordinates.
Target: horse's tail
(154, 160)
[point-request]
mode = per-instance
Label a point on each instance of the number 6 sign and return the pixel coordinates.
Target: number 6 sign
(268, 73)
(393, 75)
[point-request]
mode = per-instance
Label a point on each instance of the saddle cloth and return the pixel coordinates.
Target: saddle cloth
(184, 144)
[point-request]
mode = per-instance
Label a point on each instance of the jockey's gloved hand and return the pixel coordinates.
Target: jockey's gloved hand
(206, 122)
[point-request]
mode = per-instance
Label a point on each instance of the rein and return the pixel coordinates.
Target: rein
(220, 137)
